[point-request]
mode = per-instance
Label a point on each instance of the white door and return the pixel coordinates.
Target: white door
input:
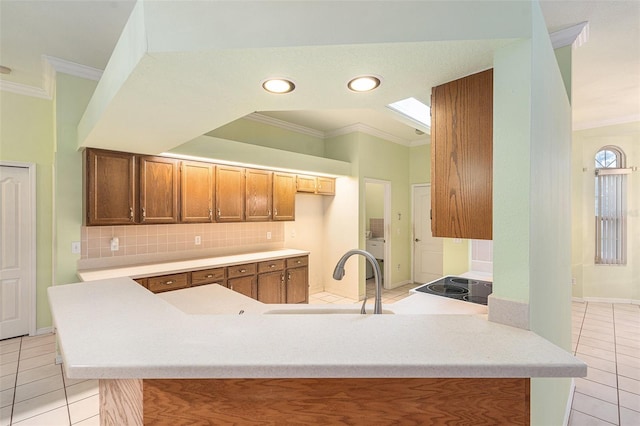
(427, 250)
(16, 252)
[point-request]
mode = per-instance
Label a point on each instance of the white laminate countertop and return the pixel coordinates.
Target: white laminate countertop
(116, 328)
(137, 271)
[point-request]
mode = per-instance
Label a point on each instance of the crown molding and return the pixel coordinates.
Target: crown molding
(72, 68)
(363, 128)
(261, 118)
(576, 35)
(22, 89)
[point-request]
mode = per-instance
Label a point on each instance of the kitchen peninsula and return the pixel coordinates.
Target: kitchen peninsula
(210, 353)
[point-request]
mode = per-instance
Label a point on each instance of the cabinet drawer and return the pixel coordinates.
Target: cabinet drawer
(294, 262)
(142, 281)
(208, 276)
(168, 282)
(241, 270)
(271, 265)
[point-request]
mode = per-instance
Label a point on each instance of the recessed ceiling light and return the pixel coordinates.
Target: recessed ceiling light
(363, 83)
(278, 85)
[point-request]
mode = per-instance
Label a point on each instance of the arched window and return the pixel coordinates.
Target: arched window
(611, 206)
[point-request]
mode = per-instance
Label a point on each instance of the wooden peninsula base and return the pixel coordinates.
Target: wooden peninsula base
(477, 401)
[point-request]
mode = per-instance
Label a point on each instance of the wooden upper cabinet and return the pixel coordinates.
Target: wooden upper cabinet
(196, 191)
(258, 195)
(326, 186)
(306, 184)
(230, 194)
(284, 196)
(158, 190)
(462, 157)
(111, 197)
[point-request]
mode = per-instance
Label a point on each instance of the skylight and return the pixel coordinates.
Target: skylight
(414, 110)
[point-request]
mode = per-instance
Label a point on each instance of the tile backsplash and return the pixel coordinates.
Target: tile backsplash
(144, 242)
(377, 227)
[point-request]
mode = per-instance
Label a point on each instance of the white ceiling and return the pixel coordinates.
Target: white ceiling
(606, 70)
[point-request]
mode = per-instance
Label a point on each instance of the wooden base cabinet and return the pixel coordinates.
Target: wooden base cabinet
(321, 401)
(297, 280)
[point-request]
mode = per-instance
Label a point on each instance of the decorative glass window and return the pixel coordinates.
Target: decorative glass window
(611, 206)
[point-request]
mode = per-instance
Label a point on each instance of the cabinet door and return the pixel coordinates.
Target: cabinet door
(270, 287)
(297, 285)
(158, 190)
(462, 157)
(284, 196)
(244, 285)
(111, 197)
(306, 183)
(229, 194)
(168, 282)
(258, 195)
(326, 186)
(196, 192)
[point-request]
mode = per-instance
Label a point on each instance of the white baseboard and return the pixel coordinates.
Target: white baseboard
(605, 300)
(44, 330)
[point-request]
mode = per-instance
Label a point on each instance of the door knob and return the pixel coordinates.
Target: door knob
(417, 240)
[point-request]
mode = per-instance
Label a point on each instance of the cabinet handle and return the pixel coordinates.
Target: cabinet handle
(275, 212)
(289, 276)
(272, 266)
(218, 213)
(268, 212)
(210, 214)
(282, 278)
(230, 286)
(144, 214)
(209, 276)
(243, 270)
(168, 282)
(131, 214)
(298, 261)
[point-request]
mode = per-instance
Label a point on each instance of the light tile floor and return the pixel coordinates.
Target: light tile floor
(35, 391)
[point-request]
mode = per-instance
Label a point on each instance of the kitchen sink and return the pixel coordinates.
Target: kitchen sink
(319, 311)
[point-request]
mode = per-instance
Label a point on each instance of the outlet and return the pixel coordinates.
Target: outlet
(398, 266)
(268, 235)
(198, 240)
(115, 244)
(75, 247)
(293, 233)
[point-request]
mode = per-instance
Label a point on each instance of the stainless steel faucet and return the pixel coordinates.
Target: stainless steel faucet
(338, 273)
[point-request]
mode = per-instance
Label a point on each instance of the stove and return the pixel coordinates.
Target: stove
(466, 289)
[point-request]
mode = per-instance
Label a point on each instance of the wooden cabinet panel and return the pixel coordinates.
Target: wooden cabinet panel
(241, 270)
(296, 262)
(297, 285)
(306, 183)
(196, 192)
(462, 157)
(284, 196)
(230, 194)
(158, 190)
(144, 282)
(111, 197)
(244, 285)
(168, 282)
(258, 195)
(270, 287)
(209, 276)
(326, 186)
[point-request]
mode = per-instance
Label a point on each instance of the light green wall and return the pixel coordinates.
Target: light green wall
(563, 56)
(27, 135)
(532, 169)
(257, 133)
(455, 256)
(72, 97)
(420, 164)
(374, 202)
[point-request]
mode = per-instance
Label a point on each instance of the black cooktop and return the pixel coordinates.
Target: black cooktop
(469, 290)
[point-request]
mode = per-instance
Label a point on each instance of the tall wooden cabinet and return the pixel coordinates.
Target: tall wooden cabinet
(158, 190)
(258, 195)
(462, 157)
(284, 196)
(230, 193)
(111, 196)
(197, 190)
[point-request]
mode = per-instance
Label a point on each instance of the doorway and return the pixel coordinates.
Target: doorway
(17, 249)
(427, 250)
(377, 221)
